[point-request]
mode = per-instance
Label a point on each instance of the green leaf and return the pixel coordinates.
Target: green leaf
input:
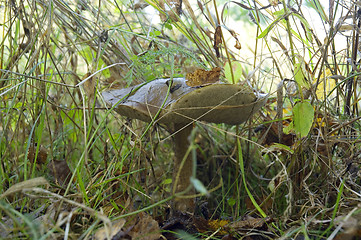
(307, 26)
(167, 181)
(280, 146)
(198, 185)
(279, 13)
(231, 202)
(301, 76)
(269, 28)
(289, 129)
(88, 54)
(155, 33)
(168, 26)
(303, 114)
(237, 71)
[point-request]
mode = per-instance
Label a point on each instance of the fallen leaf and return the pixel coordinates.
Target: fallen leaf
(146, 228)
(60, 171)
(111, 232)
(201, 77)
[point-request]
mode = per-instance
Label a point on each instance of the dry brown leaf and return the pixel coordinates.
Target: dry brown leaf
(41, 157)
(60, 171)
(201, 77)
(111, 232)
(217, 40)
(238, 45)
(146, 228)
(234, 35)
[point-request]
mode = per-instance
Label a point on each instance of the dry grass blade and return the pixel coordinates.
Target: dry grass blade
(28, 184)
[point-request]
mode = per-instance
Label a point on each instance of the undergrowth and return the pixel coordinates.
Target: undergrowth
(71, 166)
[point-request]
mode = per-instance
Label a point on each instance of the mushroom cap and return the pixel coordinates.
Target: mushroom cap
(215, 103)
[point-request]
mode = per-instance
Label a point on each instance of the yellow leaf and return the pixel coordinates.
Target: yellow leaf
(326, 84)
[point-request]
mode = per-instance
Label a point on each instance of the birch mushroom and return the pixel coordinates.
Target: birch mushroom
(175, 104)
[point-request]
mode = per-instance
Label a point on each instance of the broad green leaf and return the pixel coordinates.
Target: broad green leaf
(198, 185)
(237, 71)
(303, 114)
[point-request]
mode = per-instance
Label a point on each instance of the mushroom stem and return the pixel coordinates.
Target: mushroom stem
(182, 175)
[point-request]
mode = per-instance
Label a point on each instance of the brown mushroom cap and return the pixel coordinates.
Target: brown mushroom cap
(215, 103)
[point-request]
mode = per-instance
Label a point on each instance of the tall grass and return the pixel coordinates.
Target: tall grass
(56, 57)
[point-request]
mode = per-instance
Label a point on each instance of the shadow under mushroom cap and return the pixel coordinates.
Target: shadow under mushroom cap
(215, 103)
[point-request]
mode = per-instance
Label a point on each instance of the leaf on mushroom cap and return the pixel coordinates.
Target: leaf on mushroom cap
(216, 103)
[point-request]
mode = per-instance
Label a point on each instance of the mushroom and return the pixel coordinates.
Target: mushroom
(175, 104)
